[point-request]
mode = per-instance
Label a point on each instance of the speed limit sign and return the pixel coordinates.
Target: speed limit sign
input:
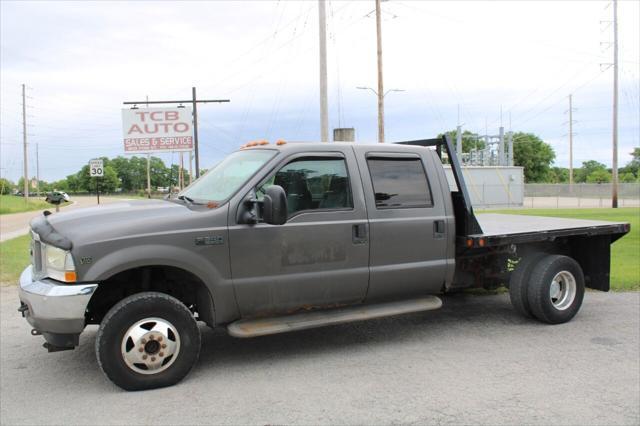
(96, 168)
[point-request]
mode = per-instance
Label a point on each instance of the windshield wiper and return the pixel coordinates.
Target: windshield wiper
(187, 199)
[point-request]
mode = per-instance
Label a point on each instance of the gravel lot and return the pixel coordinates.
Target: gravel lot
(474, 361)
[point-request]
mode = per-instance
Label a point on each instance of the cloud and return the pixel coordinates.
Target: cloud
(82, 59)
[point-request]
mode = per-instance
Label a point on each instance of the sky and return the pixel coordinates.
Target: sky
(475, 63)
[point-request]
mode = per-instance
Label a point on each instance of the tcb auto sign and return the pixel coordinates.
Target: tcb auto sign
(157, 129)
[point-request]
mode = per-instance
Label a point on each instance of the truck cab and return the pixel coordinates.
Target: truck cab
(357, 216)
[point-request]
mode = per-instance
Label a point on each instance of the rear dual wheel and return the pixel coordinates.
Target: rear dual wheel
(548, 287)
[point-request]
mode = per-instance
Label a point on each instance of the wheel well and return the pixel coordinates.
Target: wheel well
(593, 254)
(176, 282)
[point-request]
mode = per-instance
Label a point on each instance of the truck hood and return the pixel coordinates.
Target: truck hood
(130, 219)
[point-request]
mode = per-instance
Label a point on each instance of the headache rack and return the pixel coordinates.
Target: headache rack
(466, 222)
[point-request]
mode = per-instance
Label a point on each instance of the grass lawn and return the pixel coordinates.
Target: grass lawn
(625, 253)
(14, 257)
(13, 204)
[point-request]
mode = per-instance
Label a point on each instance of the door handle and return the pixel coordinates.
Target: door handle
(359, 233)
(438, 229)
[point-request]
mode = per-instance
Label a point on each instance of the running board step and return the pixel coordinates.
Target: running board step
(320, 318)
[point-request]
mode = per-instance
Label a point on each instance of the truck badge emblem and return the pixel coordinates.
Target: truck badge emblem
(209, 241)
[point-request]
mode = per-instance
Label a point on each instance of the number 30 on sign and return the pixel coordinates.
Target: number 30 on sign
(96, 168)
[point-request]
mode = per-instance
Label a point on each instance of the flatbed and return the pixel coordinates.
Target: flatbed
(500, 229)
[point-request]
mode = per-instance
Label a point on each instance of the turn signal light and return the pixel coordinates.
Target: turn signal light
(70, 276)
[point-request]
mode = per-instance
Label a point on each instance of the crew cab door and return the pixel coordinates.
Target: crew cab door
(407, 222)
(320, 256)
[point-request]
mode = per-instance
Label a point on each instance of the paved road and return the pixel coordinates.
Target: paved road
(474, 361)
(17, 224)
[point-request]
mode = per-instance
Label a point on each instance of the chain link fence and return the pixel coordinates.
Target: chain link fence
(579, 195)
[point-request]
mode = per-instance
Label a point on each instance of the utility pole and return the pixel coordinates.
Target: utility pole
(181, 172)
(37, 171)
(614, 163)
(148, 177)
(380, 91)
(190, 167)
(571, 142)
(194, 101)
(25, 189)
(459, 138)
(324, 104)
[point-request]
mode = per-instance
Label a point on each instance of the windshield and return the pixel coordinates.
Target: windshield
(223, 180)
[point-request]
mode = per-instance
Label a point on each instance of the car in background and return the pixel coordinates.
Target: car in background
(57, 197)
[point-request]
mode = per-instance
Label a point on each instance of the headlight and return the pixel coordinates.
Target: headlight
(59, 264)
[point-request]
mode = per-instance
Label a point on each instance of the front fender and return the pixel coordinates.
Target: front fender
(220, 287)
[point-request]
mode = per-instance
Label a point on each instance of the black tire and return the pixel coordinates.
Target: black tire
(138, 308)
(542, 305)
(518, 284)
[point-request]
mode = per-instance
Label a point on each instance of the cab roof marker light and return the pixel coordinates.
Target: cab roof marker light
(281, 142)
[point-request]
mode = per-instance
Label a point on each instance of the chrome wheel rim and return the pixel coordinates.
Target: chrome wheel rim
(150, 346)
(562, 290)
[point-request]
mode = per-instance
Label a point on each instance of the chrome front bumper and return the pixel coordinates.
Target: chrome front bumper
(54, 308)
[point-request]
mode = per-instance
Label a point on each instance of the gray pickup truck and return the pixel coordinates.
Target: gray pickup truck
(288, 236)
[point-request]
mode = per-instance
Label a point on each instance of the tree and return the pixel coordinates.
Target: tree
(469, 140)
(634, 165)
(599, 176)
(60, 185)
(558, 175)
(588, 168)
(627, 177)
(6, 186)
(174, 174)
(73, 184)
(535, 155)
(132, 172)
(108, 183)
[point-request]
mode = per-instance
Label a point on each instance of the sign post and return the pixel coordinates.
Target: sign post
(96, 170)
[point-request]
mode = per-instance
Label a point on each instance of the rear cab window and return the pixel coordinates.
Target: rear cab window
(399, 182)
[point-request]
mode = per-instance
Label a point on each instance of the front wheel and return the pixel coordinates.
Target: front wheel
(147, 340)
(556, 289)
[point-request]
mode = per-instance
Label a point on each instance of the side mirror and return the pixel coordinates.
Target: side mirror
(275, 205)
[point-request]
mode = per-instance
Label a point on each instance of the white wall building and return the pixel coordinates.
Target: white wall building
(492, 187)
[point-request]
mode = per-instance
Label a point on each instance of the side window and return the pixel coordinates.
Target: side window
(317, 183)
(399, 182)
